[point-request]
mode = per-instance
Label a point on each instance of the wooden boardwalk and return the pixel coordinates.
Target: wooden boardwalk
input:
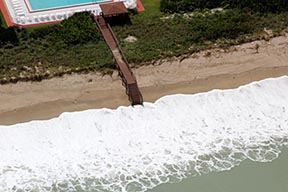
(127, 76)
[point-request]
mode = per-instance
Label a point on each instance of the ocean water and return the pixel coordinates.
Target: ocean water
(249, 176)
(133, 149)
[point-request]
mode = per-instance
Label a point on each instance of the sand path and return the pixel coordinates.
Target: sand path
(242, 64)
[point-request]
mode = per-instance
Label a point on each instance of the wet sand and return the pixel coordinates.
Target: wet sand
(207, 70)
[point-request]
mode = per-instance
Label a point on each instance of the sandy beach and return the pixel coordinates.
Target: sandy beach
(207, 70)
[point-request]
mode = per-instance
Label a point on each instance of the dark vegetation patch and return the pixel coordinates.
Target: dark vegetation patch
(263, 6)
(75, 45)
(163, 36)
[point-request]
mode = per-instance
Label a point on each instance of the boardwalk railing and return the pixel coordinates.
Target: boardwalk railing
(126, 74)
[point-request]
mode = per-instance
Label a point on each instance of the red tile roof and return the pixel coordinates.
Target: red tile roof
(114, 8)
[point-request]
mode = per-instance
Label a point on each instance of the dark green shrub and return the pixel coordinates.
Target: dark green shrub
(78, 29)
(42, 32)
(273, 6)
(162, 37)
(187, 5)
(230, 25)
(8, 35)
(264, 6)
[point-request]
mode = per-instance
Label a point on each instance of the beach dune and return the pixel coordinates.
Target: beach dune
(200, 72)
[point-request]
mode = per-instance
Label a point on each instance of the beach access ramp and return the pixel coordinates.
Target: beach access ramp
(126, 74)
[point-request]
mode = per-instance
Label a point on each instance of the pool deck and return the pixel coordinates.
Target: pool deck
(19, 13)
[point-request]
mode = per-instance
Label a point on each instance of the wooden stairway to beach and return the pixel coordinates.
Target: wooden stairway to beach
(127, 76)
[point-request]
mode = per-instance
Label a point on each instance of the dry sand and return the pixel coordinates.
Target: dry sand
(212, 69)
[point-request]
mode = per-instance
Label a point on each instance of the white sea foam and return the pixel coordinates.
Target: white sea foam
(136, 148)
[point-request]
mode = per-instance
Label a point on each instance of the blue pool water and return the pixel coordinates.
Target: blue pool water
(50, 4)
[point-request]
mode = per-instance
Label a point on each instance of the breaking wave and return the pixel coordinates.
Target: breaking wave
(137, 148)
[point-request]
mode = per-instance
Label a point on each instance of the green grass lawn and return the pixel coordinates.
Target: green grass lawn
(151, 7)
(2, 21)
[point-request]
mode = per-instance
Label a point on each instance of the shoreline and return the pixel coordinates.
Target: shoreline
(200, 72)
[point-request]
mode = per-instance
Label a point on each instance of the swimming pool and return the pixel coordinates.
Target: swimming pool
(35, 5)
